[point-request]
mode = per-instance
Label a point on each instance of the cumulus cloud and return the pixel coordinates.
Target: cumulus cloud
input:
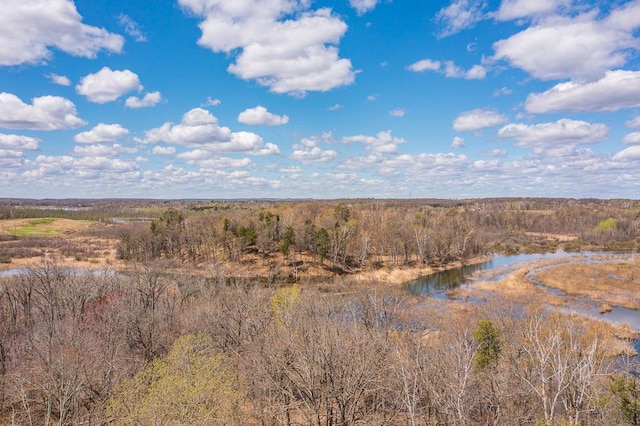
(449, 69)
(549, 135)
(363, 6)
(259, 116)
(629, 154)
(211, 102)
(207, 160)
(18, 142)
(457, 142)
(44, 113)
(477, 119)
(200, 129)
(308, 151)
(460, 15)
(281, 45)
(494, 153)
(107, 85)
(102, 133)
(61, 80)
(579, 47)
(634, 123)
(515, 9)
(382, 143)
(335, 107)
(28, 30)
(425, 65)
(85, 167)
(149, 100)
(101, 150)
(616, 90)
(632, 138)
(163, 150)
(132, 28)
(398, 112)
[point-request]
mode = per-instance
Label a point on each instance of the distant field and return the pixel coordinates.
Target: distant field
(41, 227)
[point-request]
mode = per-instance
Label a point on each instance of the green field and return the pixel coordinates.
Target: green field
(41, 226)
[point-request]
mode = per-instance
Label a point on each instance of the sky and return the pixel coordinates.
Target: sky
(220, 99)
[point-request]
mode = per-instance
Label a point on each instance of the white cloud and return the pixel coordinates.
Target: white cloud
(199, 128)
(335, 107)
(494, 153)
(382, 143)
(18, 142)
(259, 116)
(581, 47)
(45, 113)
(476, 72)
(207, 160)
(477, 119)
(398, 112)
(460, 15)
(372, 98)
(293, 169)
(629, 154)
(85, 168)
(100, 150)
(163, 150)
(449, 69)
(281, 44)
(616, 90)
(211, 102)
(102, 133)
(514, 9)
(632, 138)
(363, 6)
(149, 100)
(107, 85)
(457, 142)
(308, 151)
(28, 28)
(549, 135)
(132, 28)
(634, 123)
(502, 92)
(425, 65)
(60, 80)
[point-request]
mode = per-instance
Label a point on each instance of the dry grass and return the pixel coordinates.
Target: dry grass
(614, 283)
(77, 243)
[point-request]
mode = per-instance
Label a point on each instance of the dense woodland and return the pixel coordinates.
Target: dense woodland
(176, 338)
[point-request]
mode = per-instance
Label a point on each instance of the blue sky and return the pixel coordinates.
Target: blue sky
(319, 99)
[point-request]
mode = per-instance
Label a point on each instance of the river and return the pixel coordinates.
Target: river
(436, 285)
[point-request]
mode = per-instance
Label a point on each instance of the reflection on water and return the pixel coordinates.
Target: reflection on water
(498, 267)
(491, 270)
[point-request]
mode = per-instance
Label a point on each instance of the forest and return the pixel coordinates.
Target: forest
(273, 312)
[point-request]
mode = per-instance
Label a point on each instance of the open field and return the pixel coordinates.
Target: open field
(42, 226)
(82, 244)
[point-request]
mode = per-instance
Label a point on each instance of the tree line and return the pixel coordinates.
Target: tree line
(365, 234)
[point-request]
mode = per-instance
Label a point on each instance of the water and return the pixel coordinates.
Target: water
(437, 284)
(492, 270)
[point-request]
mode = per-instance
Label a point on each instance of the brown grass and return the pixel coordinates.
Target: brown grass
(614, 283)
